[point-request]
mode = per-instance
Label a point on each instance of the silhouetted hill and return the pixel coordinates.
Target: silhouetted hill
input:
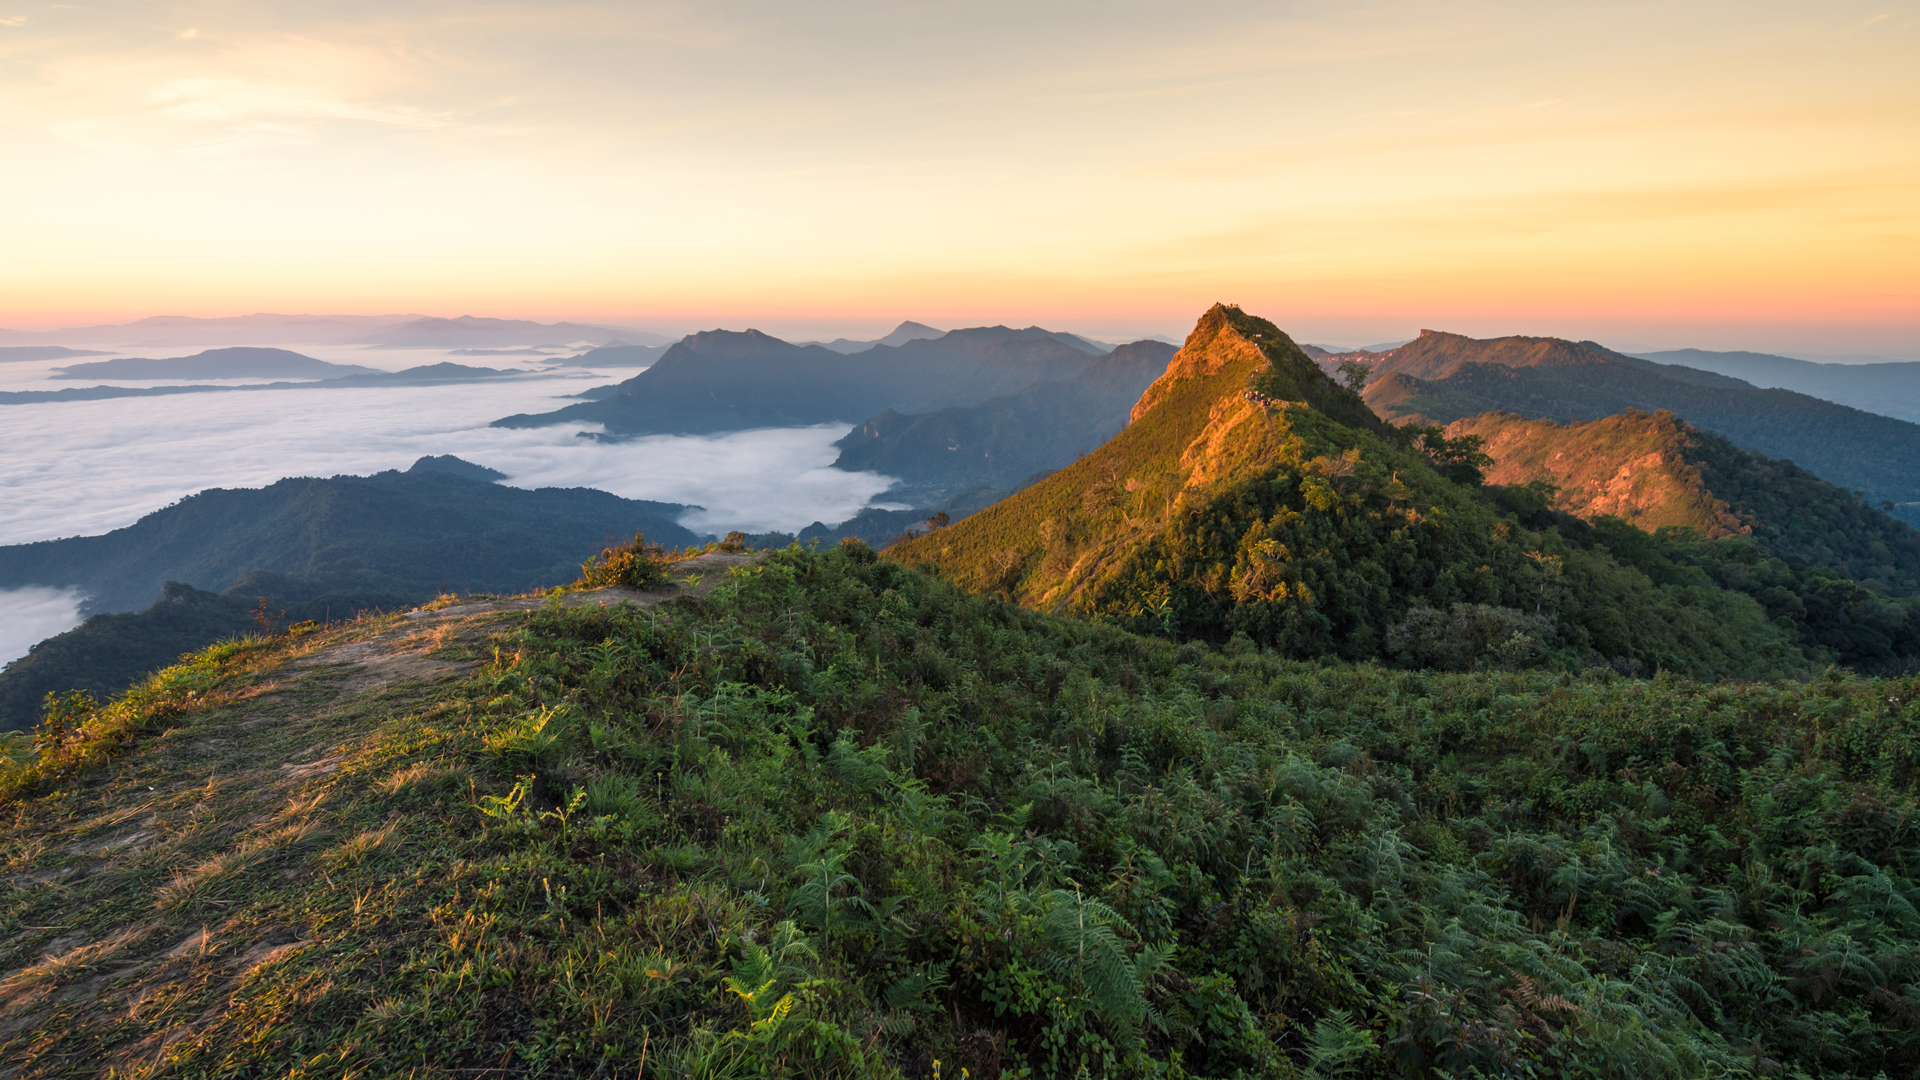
(722, 380)
(616, 354)
(234, 363)
(1001, 441)
(900, 335)
(447, 463)
(1441, 378)
(13, 354)
(422, 531)
(1253, 495)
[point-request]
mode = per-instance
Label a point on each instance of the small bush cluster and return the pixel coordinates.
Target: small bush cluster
(636, 564)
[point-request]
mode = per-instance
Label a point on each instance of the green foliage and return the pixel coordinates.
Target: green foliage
(838, 818)
(1351, 549)
(108, 653)
(76, 731)
(1460, 459)
(856, 820)
(636, 564)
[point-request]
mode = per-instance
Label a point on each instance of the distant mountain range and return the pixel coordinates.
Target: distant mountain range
(1891, 389)
(615, 353)
(470, 332)
(900, 335)
(178, 330)
(395, 331)
(722, 380)
(1004, 441)
(233, 363)
(1441, 377)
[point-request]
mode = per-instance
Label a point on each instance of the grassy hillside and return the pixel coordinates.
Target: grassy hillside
(1440, 378)
(1252, 495)
(837, 818)
(110, 652)
(1842, 576)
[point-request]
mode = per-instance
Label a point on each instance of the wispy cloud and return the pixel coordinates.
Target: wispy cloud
(220, 99)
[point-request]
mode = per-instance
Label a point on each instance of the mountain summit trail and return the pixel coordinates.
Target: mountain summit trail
(149, 897)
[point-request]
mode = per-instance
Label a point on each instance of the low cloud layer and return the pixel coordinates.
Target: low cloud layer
(87, 467)
(29, 616)
(80, 468)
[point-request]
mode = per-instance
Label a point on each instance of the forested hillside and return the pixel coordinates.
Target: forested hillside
(1841, 574)
(1656, 471)
(1440, 378)
(1251, 495)
(434, 528)
(836, 818)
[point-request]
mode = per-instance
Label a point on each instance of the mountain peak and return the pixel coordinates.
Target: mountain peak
(1214, 345)
(1226, 407)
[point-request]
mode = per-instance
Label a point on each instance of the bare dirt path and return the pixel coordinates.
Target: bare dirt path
(138, 902)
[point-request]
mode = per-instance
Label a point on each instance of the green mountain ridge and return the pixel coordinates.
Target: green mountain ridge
(1251, 495)
(1440, 378)
(1842, 574)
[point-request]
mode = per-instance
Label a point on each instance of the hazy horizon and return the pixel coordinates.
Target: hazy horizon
(1730, 340)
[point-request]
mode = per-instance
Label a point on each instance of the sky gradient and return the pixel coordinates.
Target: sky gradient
(1725, 175)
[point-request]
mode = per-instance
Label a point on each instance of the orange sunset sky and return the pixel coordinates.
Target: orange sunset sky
(1726, 175)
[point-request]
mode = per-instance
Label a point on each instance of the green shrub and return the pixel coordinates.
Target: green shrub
(636, 564)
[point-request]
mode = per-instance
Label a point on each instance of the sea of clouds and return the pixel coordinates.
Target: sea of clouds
(86, 467)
